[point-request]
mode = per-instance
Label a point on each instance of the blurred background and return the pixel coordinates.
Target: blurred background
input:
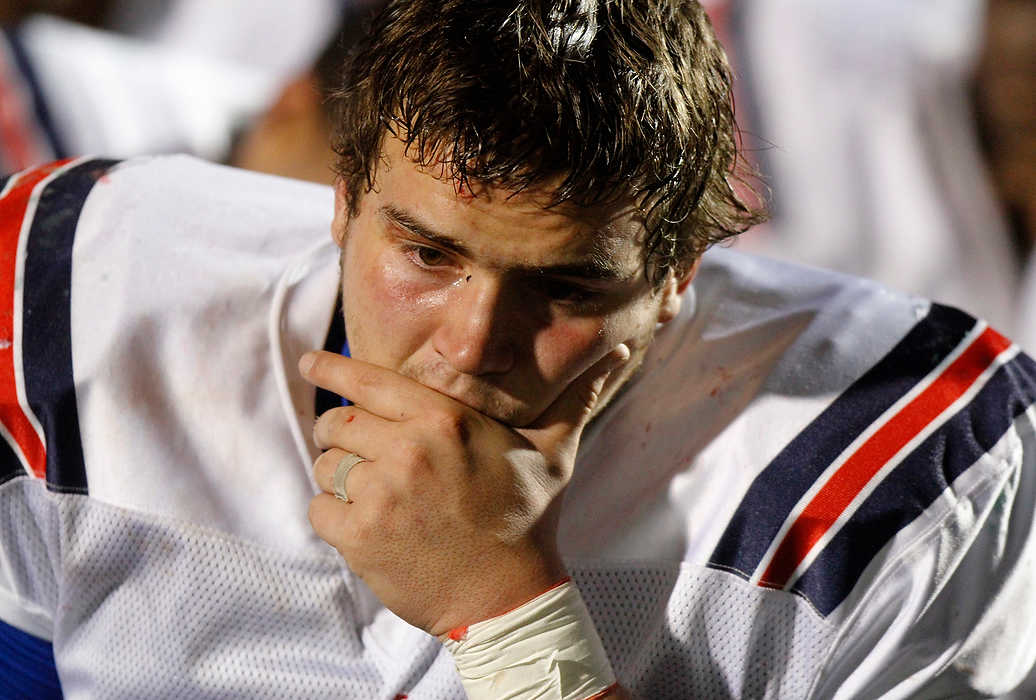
(896, 138)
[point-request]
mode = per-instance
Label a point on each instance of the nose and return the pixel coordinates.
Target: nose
(475, 335)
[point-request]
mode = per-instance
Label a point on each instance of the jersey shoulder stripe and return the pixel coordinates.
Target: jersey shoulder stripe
(41, 108)
(39, 214)
(800, 464)
(922, 476)
(886, 442)
(18, 425)
(23, 139)
(877, 433)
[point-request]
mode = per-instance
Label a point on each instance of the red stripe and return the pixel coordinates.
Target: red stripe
(836, 495)
(614, 687)
(13, 207)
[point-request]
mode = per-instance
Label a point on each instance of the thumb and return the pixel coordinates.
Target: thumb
(565, 418)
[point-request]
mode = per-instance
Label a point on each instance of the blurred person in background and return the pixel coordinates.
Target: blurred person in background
(1005, 91)
(861, 118)
(69, 89)
(275, 37)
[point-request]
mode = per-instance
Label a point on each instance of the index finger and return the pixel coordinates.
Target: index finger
(380, 391)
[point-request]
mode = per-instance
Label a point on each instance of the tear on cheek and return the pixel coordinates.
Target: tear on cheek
(398, 294)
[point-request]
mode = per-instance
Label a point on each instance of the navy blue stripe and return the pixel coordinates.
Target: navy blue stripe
(39, 101)
(334, 342)
(3, 180)
(913, 485)
(27, 667)
(793, 472)
(10, 466)
(47, 323)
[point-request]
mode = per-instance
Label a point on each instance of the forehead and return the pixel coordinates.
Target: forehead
(497, 221)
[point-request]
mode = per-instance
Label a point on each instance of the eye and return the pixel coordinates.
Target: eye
(431, 256)
(426, 256)
(564, 291)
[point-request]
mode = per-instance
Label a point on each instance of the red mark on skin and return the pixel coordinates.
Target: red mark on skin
(350, 419)
(715, 390)
(463, 189)
(457, 633)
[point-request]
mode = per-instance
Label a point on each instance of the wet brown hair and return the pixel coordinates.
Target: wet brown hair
(622, 100)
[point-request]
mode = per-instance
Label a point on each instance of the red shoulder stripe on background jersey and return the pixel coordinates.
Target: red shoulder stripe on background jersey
(857, 472)
(21, 143)
(17, 422)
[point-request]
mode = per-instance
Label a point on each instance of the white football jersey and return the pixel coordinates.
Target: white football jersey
(814, 488)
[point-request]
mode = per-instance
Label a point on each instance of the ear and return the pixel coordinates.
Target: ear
(341, 219)
(672, 292)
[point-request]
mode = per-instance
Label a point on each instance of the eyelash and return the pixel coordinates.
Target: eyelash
(557, 291)
(566, 293)
(416, 254)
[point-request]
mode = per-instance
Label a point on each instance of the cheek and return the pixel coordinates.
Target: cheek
(390, 284)
(387, 311)
(567, 348)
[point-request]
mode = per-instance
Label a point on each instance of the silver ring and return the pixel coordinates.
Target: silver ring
(345, 465)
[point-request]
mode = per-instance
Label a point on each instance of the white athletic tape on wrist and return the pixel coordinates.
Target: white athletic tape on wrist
(546, 648)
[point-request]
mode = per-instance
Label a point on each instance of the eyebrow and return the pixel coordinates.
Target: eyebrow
(600, 267)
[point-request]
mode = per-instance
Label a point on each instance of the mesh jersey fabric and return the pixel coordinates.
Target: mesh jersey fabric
(162, 544)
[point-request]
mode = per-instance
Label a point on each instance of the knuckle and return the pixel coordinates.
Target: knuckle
(319, 515)
(314, 515)
(411, 454)
(416, 471)
(370, 527)
(332, 421)
(325, 463)
(365, 531)
(367, 380)
(452, 424)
